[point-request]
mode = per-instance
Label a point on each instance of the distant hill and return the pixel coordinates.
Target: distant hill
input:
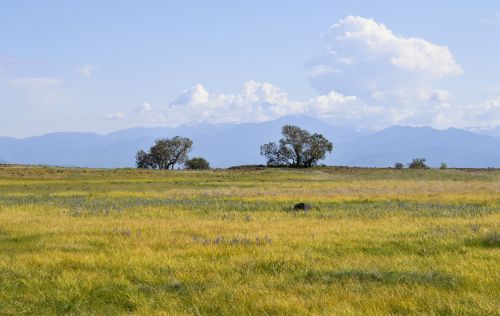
(4, 142)
(222, 144)
(7, 140)
(455, 147)
(226, 145)
(486, 130)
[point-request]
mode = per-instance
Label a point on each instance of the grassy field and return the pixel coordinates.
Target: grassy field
(378, 242)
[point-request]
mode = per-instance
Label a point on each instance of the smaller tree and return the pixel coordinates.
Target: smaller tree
(418, 163)
(443, 166)
(143, 160)
(398, 165)
(197, 163)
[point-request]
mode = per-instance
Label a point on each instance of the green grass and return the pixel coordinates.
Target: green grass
(378, 242)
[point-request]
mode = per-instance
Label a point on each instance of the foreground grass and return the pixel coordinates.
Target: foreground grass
(81, 241)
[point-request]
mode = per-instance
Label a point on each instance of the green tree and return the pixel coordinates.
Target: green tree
(197, 163)
(297, 148)
(165, 153)
(143, 160)
(418, 163)
(398, 165)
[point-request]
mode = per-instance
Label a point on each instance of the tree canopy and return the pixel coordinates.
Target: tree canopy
(418, 163)
(165, 153)
(297, 148)
(197, 163)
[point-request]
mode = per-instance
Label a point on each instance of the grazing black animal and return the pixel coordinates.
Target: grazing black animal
(302, 207)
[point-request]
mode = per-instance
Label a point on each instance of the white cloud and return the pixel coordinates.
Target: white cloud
(486, 113)
(194, 95)
(367, 76)
(259, 102)
(441, 96)
(86, 70)
(366, 59)
(144, 109)
(256, 101)
(393, 76)
(116, 116)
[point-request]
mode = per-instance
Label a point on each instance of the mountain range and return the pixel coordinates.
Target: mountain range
(485, 130)
(225, 145)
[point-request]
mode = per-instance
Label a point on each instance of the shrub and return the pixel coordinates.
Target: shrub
(443, 166)
(418, 163)
(197, 163)
(398, 165)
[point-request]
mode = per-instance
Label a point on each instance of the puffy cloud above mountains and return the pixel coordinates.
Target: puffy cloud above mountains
(366, 75)
(364, 58)
(255, 102)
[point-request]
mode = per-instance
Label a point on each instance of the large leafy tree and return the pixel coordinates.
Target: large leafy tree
(297, 148)
(165, 153)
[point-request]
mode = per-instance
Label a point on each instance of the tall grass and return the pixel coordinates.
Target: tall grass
(84, 241)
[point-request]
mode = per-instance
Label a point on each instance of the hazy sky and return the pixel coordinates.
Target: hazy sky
(105, 65)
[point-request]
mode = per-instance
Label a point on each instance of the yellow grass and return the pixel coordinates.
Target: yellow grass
(378, 242)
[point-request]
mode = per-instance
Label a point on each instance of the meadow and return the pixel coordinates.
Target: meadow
(227, 242)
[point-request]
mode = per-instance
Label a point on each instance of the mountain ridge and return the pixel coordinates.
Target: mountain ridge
(455, 147)
(226, 145)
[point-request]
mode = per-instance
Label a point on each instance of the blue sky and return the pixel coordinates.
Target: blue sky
(105, 65)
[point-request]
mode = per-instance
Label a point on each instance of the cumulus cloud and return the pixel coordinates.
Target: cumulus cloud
(367, 76)
(143, 110)
(365, 58)
(255, 102)
(486, 113)
(86, 70)
(262, 101)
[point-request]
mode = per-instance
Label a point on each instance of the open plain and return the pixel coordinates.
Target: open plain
(228, 242)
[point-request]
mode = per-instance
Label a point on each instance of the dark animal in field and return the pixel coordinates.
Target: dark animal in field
(302, 207)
